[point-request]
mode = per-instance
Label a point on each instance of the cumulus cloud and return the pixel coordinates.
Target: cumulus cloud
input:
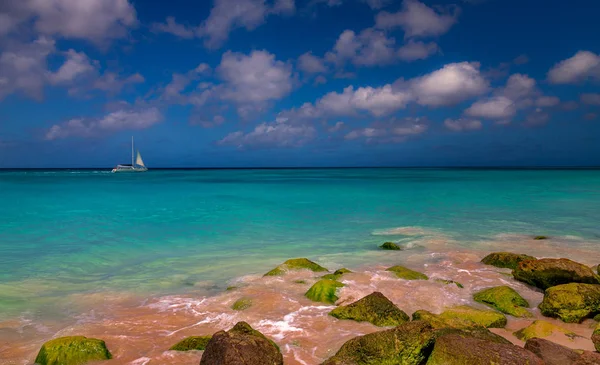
(459, 125)
(413, 51)
(336, 127)
(115, 121)
(111, 82)
(499, 107)
(376, 101)
(281, 133)
(547, 101)
(590, 99)
(75, 65)
(172, 27)
(418, 20)
(207, 123)
(311, 64)
(582, 66)
(392, 131)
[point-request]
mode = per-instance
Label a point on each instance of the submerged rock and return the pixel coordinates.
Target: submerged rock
(241, 345)
(336, 274)
(374, 308)
(241, 304)
(504, 299)
(541, 329)
(505, 259)
(406, 273)
(596, 337)
(390, 246)
(72, 350)
(485, 318)
(448, 282)
(545, 273)
(324, 291)
(407, 344)
(296, 264)
(551, 353)
(191, 343)
(540, 238)
(571, 302)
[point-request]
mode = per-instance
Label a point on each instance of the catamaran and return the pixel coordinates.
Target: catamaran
(136, 166)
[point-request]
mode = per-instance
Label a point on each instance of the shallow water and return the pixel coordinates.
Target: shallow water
(143, 260)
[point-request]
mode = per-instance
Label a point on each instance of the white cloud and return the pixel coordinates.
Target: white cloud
(174, 28)
(115, 121)
(547, 101)
(377, 101)
(581, 66)
(418, 20)
(277, 134)
(336, 127)
(311, 64)
(499, 107)
(112, 83)
(518, 86)
(591, 99)
(201, 121)
(412, 50)
(392, 131)
(75, 65)
(459, 125)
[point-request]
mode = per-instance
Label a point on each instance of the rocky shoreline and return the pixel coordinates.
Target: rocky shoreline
(457, 335)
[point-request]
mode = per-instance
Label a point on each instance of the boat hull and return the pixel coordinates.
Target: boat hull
(135, 169)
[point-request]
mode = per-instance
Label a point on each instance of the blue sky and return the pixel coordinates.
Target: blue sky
(256, 83)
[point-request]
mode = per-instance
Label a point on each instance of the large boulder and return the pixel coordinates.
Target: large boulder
(407, 344)
(406, 273)
(241, 345)
(507, 260)
(374, 308)
(504, 299)
(454, 349)
(191, 343)
(336, 274)
(545, 273)
(541, 329)
(485, 318)
(551, 353)
(437, 322)
(296, 264)
(324, 291)
(72, 350)
(571, 302)
(596, 337)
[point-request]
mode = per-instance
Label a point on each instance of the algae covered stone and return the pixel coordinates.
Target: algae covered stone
(551, 353)
(571, 302)
(538, 238)
(374, 308)
(242, 304)
(541, 329)
(407, 344)
(504, 299)
(485, 318)
(545, 273)
(596, 337)
(390, 246)
(448, 282)
(241, 345)
(72, 350)
(324, 291)
(406, 273)
(191, 343)
(507, 260)
(438, 322)
(296, 264)
(336, 274)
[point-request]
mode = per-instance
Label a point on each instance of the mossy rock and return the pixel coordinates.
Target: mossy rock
(242, 304)
(438, 322)
(390, 246)
(477, 332)
(541, 329)
(506, 260)
(72, 350)
(296, 264)
(596, 337)
(448, 282)
(485, 318)
(324, 291)
(537, 238)
(336, 274)
(552, 353)
(545, 273)
(231, 287)
(407, 344)
(571, 303)
(191, 343)
(374, 308)
(504, 299)
(406, 273)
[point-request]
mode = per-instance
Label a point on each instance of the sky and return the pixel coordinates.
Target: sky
(299, 83)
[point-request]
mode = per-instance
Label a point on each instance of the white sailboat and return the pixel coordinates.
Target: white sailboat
(136, 166)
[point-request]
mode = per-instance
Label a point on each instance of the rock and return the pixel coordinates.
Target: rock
(448, 282)
(72, 350)
(550, 352)
(504, 299)
(588, 358)
(571, 303)
(337, 274)
(407, 344)
(545, 273)
(505, 259)
(596, 337)
(296, 264)
(324, 291)
(191, 343)
(299, 281)
(241, 304)
(540, 329)
(438, 322)
(390, 246)
(374, 308)
(485, 318)
(407, 274)
(241, 345)
(540, 238)
(480, 333)
(231, 287)
(453, 349)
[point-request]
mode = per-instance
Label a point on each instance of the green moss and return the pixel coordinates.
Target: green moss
(242, 304)
(507, 260)
(477, 332)
(374, 308)
(72, 350)
(390, 246)
(296, 264)
(230, 288)
(245, 329)
(541, 329)
(504, 299)
(597, 318)
(324, 291)
(596, 337)
(448, 282)
(571, 303)
(337, 274)
(438, 322)
(540, 238)
(485, 318)
(299, 282)
(406, 273)
(545, 273)
(191, 343)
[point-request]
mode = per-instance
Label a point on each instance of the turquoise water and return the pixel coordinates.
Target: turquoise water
(170, 231)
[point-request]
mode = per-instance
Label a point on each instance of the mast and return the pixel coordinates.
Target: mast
(132, 151)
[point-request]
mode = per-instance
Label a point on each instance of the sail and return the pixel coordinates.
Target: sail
(138, 160)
